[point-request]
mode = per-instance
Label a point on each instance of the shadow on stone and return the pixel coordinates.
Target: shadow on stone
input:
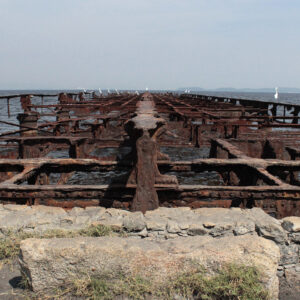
(16, 282)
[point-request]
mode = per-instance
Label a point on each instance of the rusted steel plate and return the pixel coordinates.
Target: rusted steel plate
(257, 164)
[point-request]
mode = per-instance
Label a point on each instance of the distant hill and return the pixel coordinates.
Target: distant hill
(261, 90)
(246, 90)
(191, 88)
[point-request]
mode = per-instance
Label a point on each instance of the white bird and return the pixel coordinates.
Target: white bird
(100, 92)
(108, 91)
(117, 91)
(137, 92)
(276, 93)
(84, 90)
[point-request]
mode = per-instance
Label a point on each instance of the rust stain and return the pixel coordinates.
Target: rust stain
(251, 148)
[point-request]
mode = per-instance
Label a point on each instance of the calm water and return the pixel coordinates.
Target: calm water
(15, 107)
(293, 98)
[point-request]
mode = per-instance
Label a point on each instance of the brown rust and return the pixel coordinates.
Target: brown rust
(257, 164)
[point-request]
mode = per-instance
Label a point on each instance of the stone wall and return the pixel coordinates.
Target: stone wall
(51, 263)
(179, 224)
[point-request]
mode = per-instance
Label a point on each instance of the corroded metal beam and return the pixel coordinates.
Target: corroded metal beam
(256, 163)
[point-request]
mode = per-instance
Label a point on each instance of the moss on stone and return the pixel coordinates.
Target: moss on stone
(10, 244)
(230, 282)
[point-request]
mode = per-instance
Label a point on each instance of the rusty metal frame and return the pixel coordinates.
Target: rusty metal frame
(258, 165)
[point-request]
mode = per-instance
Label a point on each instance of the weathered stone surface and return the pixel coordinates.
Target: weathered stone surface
(291, 224)
(216, 222)
(173, 227)
(289, 254)
(267, 227)
(292, 278)
(211, 221)
(163, 223)
(295, 237)
(197, 229)
(155, 226)
(49, 263)
(134, 222)
(209, 225)
(143, 233)
(242, 228)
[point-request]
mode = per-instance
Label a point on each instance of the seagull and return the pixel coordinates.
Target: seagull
(276, 93)
(117, 91)
(100, 92)
(108, 91)
(137, 92)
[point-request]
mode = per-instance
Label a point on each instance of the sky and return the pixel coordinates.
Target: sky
(160, 44)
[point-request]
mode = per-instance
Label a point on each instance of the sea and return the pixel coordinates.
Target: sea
(15, 108)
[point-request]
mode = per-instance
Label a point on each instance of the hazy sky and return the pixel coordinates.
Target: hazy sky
(154, 43)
